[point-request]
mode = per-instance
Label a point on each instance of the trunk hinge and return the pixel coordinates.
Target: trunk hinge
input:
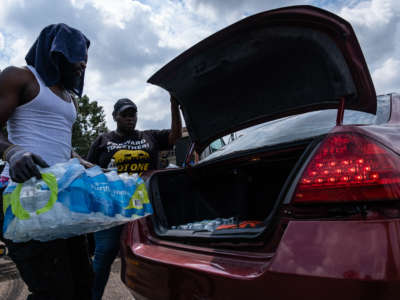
(340, 113)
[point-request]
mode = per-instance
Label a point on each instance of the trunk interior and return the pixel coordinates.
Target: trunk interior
(227, 199)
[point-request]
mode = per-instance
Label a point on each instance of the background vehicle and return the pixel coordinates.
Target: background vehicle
(313, 192)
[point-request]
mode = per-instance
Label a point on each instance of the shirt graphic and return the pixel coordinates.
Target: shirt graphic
(135, 153)
(132, 161)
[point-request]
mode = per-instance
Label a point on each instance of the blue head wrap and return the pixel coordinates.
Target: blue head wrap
(58, 39)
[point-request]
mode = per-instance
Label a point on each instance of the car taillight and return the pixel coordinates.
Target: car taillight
(350, 168)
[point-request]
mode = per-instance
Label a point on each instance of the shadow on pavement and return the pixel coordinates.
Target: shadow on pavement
(12, 287)
(7, 270)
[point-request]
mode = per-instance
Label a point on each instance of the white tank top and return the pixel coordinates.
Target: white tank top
(43, 126)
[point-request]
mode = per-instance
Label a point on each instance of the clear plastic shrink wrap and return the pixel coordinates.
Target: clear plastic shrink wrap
(70, 200)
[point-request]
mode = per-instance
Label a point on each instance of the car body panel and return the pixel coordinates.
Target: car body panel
(347, 259)
(353, 258)
(225, 263)
(335, 260)
(365, 250)
(311, 54)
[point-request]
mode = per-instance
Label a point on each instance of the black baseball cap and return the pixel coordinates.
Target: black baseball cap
(123, 104)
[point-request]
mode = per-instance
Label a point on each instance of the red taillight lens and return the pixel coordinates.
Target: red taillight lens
(350, 168)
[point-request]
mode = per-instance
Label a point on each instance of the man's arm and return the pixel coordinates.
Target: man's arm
(11, 85)
(176, 122)
(21, 162)
(83, 162)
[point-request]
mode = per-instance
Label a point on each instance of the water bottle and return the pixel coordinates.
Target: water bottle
(112, 166)
(32, 196)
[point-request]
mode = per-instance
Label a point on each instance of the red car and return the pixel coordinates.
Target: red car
(305, 205)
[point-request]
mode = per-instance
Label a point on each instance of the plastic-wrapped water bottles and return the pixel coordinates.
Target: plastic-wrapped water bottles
(32, 196)
(70, 200)
(206, 225)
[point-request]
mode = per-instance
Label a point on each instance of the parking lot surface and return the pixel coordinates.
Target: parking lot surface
(13, 288)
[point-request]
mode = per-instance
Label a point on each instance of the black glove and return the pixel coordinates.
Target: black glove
(23, 164)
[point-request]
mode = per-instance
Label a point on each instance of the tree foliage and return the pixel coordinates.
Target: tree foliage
(89, 124)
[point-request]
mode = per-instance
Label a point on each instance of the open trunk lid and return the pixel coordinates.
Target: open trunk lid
(273, 64)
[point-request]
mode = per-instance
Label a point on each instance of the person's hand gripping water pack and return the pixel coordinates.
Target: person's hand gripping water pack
(22, 164)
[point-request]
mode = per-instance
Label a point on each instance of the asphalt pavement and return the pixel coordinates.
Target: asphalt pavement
(13, 288)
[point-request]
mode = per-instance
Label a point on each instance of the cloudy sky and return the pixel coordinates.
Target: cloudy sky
(130, 40)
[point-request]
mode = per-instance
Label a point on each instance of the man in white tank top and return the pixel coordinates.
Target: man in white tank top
(36, 104)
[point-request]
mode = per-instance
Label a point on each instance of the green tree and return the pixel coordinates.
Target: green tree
(89, 124)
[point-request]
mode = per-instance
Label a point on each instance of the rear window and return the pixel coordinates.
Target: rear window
(297, 127)
(358, 117)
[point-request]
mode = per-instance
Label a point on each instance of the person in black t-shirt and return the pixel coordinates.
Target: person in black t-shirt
(131, 151)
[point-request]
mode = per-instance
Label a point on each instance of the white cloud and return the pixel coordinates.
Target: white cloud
(377, 24)
(18, 47)
(131, 39)
(12, 51)
(178, 29)
(1, 41)
(115, 13)
(369, 13)
(229, 11)
(386, 77)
